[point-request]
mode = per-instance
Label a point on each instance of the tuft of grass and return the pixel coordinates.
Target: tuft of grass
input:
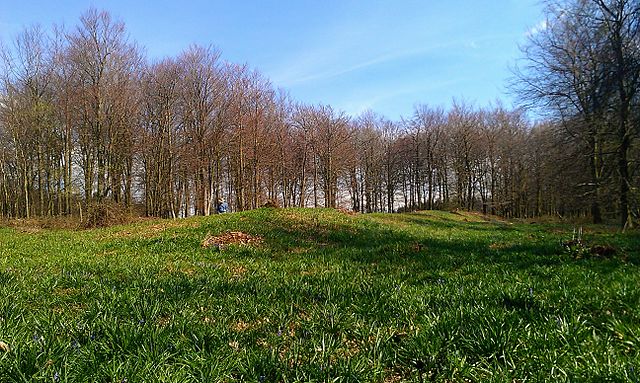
(324, 296)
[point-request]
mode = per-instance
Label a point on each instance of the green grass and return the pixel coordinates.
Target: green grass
(326, 297)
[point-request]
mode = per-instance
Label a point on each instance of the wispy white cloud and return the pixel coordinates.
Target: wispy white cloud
(379, 61)
(324, 64)
(348, 46)
(355, 104)
(472, 45)
(373, 40)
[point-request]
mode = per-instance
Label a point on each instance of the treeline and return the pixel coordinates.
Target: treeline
(583, 68)
(86, 119)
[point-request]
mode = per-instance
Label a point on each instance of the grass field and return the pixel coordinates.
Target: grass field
(319, 296)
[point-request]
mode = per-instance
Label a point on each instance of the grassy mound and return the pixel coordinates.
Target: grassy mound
(318, 295)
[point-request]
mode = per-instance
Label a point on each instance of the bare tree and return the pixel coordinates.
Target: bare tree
(28, 121)
(104, 65)
(584, 67)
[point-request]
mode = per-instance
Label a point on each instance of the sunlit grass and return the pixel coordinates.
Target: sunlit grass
(325, 296)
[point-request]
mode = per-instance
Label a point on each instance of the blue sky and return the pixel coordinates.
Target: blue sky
(386, 56)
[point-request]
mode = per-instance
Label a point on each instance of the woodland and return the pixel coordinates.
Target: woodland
(86, 119)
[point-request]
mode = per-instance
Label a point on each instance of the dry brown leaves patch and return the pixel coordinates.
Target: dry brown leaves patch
(78, 307)
(241, 326)
(36, 225)
(393, 377)
(208, 320)
(237, 271)
(231, 238)
(163, 321)
(235, 346)
(299, 250)
(351, 347)
(346, 211)
(153, 231)
(263, 343)
(498, 246)
(173, 267)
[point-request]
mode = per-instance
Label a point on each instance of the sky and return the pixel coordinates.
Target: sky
(355, 55)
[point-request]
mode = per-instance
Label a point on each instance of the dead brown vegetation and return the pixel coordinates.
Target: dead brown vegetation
(230, 238)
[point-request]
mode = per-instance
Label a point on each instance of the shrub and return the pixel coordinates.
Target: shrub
(107, 213)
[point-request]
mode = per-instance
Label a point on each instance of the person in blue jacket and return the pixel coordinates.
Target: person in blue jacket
(222, 206)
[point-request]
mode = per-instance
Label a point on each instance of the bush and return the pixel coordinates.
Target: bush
(107, 213)
(272, 203)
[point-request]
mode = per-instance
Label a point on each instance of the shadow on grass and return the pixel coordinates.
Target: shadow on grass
(365, 240)
(326, 232)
